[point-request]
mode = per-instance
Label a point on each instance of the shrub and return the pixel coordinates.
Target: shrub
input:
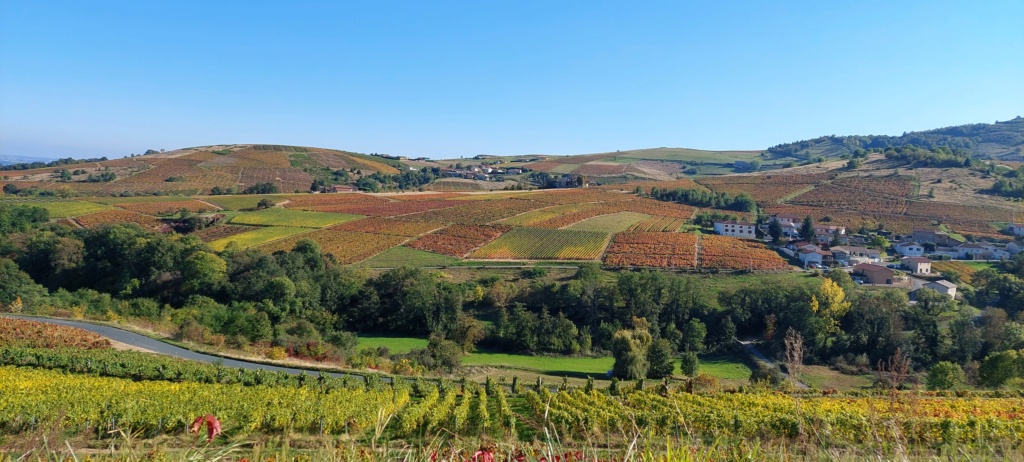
(945, 375)
(689, 364)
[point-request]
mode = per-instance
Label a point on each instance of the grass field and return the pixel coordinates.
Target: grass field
(611, 223)
(548, 365)
(245, 201)
(257, 237)
(404, 256)
(726, 367)
(291, 217)
(396, 345)
(545, 244)
(823, 378)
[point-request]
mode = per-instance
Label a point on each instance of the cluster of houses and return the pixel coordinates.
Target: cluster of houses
(479, 172)
(938, 243)
(823, 233)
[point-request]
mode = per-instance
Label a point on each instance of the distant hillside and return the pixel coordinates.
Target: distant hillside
(205, 170)
(11, 160)
(1000, 140)
(643, 164)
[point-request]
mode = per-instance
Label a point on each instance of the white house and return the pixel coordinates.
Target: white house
(943, 287)
(910, 249)
(974, 251)
(917, 265)
(736, 229)
(1017, 229)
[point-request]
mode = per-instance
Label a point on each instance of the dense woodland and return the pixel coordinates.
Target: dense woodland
(305, 303)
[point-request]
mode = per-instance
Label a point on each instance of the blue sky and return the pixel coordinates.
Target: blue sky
(444, 79)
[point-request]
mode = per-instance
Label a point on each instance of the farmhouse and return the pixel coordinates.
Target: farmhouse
(735, 229)
(917, 265)
(1016, 229)
(910, 249)
(343, 188)
(875, 274)
(943, 287)
(852, 255)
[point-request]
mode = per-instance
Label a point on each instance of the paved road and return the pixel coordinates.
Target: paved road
(756, 353)
(141, 341)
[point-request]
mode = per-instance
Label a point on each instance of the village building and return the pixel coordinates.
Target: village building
(910, 249)
(943, 287)
(736, 229)
(854, 255)
(917, 265)
(875, 274)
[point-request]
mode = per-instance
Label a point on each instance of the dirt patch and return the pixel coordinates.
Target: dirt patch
(126, 347)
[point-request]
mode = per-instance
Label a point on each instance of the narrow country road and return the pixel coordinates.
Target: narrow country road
(756, 353)
(156, 346)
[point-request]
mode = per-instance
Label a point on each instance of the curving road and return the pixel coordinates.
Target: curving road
(156, 346)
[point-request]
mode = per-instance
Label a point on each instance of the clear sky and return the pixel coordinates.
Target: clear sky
(444, 79)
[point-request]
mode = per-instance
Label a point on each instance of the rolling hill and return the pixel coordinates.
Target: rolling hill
(999, 140)
(198, 170)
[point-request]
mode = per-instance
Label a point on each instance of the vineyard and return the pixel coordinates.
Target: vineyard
(60, 209)
(386, 209)
(388, 226)
(35, 334)
(476, 212)
(38, 399)
(222, 232)
(459, 240)
(242, 202)
(690, 251)
(722, 252)
(843, 421)
(346, 246)
(545, 244)
(613, 222)
(658, 224)
(35, 399)
(653, 249)
(118, 216)
(255, 236)
(287, 217)
(167, 208)
(765, 189)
